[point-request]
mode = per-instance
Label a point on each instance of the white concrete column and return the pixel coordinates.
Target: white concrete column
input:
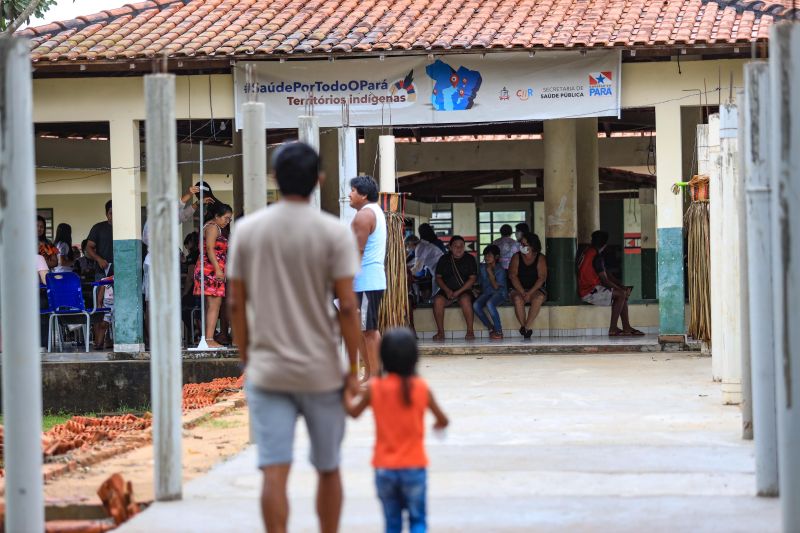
(386, 156)
(308, 132)
(348, 169)
(588, 170)
(669, 169)
(744, 288)
(126, 194)
(254, 157)
(784, 66)
(165, 311)
(759, 278)
(22, 376)
(716, 248)
(731, 250)
(560, 199)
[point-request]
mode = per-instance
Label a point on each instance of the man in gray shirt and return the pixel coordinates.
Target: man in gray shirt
(285, 265)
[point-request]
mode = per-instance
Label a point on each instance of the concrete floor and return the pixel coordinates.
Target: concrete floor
(616, 443)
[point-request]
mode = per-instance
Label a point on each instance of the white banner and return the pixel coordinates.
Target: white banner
(415, 90)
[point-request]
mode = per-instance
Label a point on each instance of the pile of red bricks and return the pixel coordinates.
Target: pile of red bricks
(80, 431)
(197, 395)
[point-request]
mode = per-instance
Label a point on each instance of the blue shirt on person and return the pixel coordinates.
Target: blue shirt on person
(500, 277)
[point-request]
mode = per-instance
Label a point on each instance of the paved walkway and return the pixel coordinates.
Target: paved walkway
(563, 443)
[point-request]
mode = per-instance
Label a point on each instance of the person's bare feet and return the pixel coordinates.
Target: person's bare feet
(470, 336)
(439, 337)
(214, 344)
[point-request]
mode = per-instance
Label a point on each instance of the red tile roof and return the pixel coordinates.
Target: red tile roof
(190, 28)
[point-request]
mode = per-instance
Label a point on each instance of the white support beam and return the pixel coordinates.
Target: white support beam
(716, 248)
(254, 157)
(19, 295)
(348, 169)
(165, 304)
(308, 132)
(386, 155)
(759, 277)
(784, 65)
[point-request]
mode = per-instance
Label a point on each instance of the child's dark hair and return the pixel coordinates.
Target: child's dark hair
(399, 356)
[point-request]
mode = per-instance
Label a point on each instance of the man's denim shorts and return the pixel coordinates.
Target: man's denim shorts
(273, 415)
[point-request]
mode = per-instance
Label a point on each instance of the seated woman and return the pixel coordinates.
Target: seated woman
(493, 291)
(456, 273)
(528, 275)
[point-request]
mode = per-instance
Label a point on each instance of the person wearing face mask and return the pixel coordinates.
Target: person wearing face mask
(597, 286)
(528, 275)
(456, 274)
(521, 229)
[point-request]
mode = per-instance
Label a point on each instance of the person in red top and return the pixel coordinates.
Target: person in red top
(399, 400)
(597, 286)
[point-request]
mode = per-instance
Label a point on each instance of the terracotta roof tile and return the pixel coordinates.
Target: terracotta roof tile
(264, 27)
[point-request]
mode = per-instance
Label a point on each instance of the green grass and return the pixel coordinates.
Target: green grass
(222, 424)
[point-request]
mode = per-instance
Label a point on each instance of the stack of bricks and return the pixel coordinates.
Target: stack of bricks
(198, 395)
(82, 431)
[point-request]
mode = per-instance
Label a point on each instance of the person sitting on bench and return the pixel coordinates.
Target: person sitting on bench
(456, 273)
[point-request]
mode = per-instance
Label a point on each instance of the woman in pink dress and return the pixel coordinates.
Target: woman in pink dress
(214, 258)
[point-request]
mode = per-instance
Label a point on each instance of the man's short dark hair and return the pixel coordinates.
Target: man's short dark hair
(492, 249)
(523, 227)
(455, 238)
(296, 167)
(366, 186)
(599, 238)
(506, 230)
(108, 206)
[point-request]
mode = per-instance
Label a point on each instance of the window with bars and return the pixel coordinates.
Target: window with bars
(489, 223)
(442, 219)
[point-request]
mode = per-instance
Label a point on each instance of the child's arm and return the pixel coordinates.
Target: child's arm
(353, 405)
(441, 418)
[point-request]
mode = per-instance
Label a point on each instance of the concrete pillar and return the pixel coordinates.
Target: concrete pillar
(126, 194)
(308, 132)
(671, 290)
(165, 326)
(784, 66)
(759, 274)
(386, 155)
(731, 249)
(560, 198)
(647, 204)
(187, 180)
(588, 171)
(348, 169)
(238, 174)
(744, 288)
(254, 157)
(716, 248)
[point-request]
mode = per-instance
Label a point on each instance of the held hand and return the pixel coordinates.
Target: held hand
(351, 387)
(102, 263)
(218, 274)
(441, 423)
(208, 200)
(450, 294)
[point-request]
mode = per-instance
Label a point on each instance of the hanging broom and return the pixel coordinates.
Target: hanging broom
(394, 310)
(698, 235)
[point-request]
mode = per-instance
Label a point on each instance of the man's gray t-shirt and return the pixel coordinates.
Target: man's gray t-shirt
(288, 256)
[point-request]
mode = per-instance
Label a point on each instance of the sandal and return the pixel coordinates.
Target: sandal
(528, 333)
(439, 337)
(616, 333)
(496, 336)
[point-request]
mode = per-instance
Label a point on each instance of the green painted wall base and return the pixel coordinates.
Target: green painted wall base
(128, 305)
(632, 274)
(670, 282)
(561, 283)
(649, 274)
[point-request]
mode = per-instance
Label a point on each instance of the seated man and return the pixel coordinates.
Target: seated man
(596, 286)
(456, 273)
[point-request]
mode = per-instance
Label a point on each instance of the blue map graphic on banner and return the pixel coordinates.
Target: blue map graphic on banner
(453, 90)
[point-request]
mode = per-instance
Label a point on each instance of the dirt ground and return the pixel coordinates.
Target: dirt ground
(205, 445)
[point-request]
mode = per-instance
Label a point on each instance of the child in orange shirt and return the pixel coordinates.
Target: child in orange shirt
(399, 400)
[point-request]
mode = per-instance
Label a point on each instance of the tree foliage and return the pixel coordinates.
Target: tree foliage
(10, 10)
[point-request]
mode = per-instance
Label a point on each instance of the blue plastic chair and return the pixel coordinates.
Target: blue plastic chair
(65, 298)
